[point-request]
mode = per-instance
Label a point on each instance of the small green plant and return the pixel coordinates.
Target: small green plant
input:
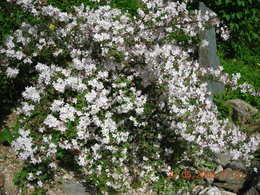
(208, 164)
(8, 135)
(5, 135)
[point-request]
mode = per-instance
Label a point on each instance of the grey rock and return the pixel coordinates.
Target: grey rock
(252, 185)
(210, 191)
(255, 127)
(148, 193)
(219, 169)
(222, 159)
(230, 176)
(229, 186)
(215, 87)
(227, 193)
(196, 189)
(252, 191)
(72, 188)
(208, 55)
(237, 166)
(209, 180)
(242, 112)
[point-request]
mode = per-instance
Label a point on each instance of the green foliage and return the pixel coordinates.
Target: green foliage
(247, 67)
(6, 136)
(11, 89)
(208, 164)
(11, 18)
(250, 73)
(66, 5)
(20, 177)
(126, 5)
(9, 135)
(223, 108)
(242, 18)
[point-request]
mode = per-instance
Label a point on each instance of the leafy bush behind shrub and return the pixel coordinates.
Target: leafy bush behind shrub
(242, 18)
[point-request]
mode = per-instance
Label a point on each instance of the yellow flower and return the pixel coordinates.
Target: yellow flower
(52, 26)
(258, 64)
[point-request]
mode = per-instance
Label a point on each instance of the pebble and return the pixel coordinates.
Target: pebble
(210, 191)
(227, 193)
(222, 159)
(72, 188)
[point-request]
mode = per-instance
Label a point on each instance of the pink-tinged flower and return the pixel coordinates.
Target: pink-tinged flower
(31, 93)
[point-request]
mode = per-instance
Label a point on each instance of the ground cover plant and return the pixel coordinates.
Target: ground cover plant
(119, 95)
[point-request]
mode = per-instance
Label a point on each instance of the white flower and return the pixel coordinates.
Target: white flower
(38, 173)
(67, 113)
(82, 160)
(91, 96)
(51, 121)
(30, 177)
(139, 110)
(23, 145)
(31, 93)
(57, 52)
(39, 183)
(12, 72)
(56, 105)
(9, 42)
(59, 85)
(26, 108)
(205, 43)
(41, 129)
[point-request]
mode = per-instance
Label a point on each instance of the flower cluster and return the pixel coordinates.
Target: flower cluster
(118, 90)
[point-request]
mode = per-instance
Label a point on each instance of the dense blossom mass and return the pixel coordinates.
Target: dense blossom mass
(123, 91)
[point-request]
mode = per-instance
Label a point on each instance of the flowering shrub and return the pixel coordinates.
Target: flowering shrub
(117, 93)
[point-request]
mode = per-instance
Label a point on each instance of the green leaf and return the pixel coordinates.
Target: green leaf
(15, 130)
(219, 2)
(227, 1)
(239, 15)
(6, 136)
(240, 2)
(231, 25)
(210, 165)
(226, 16)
